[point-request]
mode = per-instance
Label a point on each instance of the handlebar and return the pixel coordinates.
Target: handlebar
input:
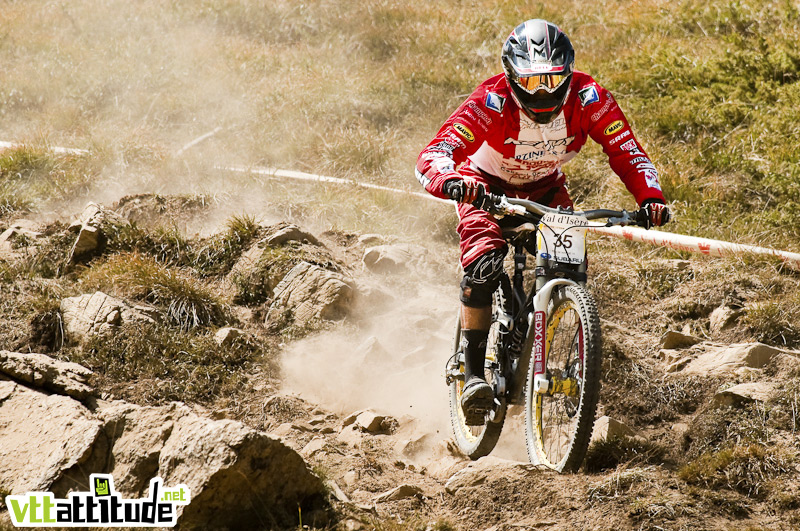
(505, 206)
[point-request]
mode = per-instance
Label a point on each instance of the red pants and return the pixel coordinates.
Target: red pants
(480, 231)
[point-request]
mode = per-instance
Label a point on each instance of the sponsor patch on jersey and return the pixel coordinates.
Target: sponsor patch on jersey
(630, 145)
(651, 178)
(619, 137)
(603, 110)
(588, 96)
(613, 128)
(464, 131)
(495, 102)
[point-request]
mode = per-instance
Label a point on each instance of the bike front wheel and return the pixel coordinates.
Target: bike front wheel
(559, 421)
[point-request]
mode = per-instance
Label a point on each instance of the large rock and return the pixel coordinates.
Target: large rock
(40, 370)
(606, 428)
(721, 359)
(236, 475)
(89, 226)
(675, 340)
(211, 457)
(399, 493)
(98, 313)
(723, 318)
(392, 258)
(41, 437)
(311, 292)
(16, 238)
(288, 233)
(487, 470)
(744, 393)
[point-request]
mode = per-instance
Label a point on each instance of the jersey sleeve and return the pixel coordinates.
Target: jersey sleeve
(608, 127)
(460, 136)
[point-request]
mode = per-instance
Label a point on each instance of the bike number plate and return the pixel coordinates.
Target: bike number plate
(562, 237)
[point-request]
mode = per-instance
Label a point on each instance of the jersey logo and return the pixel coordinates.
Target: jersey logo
(588, 95)
(495, 102)
(464, 131)
(613, 128)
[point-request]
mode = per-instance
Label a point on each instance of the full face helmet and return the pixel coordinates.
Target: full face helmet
(538, 60)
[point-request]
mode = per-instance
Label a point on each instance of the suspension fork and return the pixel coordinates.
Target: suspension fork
(537, 335)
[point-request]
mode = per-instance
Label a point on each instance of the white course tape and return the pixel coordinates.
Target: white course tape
(670, 240)
(54, 149)
(681, 242)
(299, 175)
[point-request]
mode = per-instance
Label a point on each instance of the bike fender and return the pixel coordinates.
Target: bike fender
(542, 296)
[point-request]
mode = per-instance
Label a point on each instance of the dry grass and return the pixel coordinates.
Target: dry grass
(187, 301)
(150, 363)
(746, 469)
(630, 451)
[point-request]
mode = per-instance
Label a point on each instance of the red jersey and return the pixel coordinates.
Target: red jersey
(489, 133)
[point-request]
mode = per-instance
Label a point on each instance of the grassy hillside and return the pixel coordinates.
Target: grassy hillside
(357, 88)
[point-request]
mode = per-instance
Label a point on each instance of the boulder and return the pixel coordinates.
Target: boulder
(53, 442)
(314, 445)
(391, 258)
(723, 318)
(606, 428)
(399, 493)
(372, 352)
(288, 233)
(89, 227)
(311, 292)
(374, 423)
(98, 313)
(227, 335)
(211, 457)
(744, 393)
(351, 436)
(40, 370)
(676, 340)
(487, 470)
(15, 238)
(721, 359)
(42, 437)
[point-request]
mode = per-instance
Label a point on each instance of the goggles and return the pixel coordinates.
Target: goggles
(549, 82)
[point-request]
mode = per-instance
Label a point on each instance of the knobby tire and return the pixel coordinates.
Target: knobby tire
(541, 410)
(476, 441)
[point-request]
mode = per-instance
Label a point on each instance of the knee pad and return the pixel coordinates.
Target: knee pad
(481, 278)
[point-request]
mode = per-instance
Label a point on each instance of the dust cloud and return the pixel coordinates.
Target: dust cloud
(392, 360)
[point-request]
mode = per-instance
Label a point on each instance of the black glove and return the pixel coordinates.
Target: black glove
(466, 190)
(654, 213)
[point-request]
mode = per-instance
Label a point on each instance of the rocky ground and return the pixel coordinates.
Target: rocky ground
(310, 364)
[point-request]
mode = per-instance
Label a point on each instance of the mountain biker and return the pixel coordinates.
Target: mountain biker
(512, 136)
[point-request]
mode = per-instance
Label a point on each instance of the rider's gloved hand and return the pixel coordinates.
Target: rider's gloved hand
(466, 190)
(654, 212)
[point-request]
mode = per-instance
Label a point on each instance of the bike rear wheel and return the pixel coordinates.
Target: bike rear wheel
(559, 422)
(476, 441)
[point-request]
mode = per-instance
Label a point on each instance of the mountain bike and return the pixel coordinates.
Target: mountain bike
(544, 346)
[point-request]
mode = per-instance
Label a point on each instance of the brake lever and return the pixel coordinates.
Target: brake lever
(622, 221)
(502, 207)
